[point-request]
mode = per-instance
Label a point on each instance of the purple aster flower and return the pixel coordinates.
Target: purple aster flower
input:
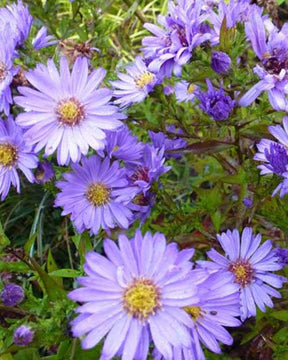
(275, 156)
(151, 167)
(282, 255)
(44, 172)
(95, 194)
(251, 264)
(171, 46)
(123, 145)
(23, 335)
(66, 111)
(141, 205)
(235, 11)
(14, 154)
(248, 203)
(220, 62)
(134, 86)
(217, 306)
(12, 295)
(134, 295)
(6, 72)
(273, 69)
(42, 40)
(160, 140)
(215, 103)
(18, 18)
(185, 92)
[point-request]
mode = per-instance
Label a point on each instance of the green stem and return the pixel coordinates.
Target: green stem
(68, 245)
(138, 12)
(73, 351)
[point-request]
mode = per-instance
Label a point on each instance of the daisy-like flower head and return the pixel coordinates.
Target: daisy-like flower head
(274, 155)
(171, 45)
(150, 168)
(6, 71)
(251, 265)
(123, 145)
(184, 91)
(134, 295)
(217, 307)
(134, 86)
(273, 67)
(14, 154)
(95, 194)
(66, 111)
(18, 18)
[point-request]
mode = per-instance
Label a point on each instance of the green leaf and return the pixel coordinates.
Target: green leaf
(217, 220)
(4, 241)
(27, 354)
(227, 36)
(281, 337)
(6, 357)
(256, 132)
(17, 266)
(280, 315)
(208, 147)
(239, 178)
(29, 243)
(83, 244)
(68, 273)
(52, 267)
(54, 291)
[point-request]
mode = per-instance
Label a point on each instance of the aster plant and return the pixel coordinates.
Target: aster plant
(134, 86)
(272, 69)
(96, 195)
(15, 154)
(181, 169)
(217, 306)
(171, 45)
(251, 264)
(66, 111)
(133, 295)
(274, 156)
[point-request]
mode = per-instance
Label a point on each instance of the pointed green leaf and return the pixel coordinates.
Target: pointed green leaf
(52, 266)
(54, 291)
(68, 273)
(4, 241)
(208, 147)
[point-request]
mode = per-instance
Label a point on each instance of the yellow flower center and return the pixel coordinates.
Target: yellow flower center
(145, 79)
(98, 194)
(194, 311)
(142, 299)
(191, 88)
(8, 154)
(115, 148)
(70, 112)
(242, 271)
